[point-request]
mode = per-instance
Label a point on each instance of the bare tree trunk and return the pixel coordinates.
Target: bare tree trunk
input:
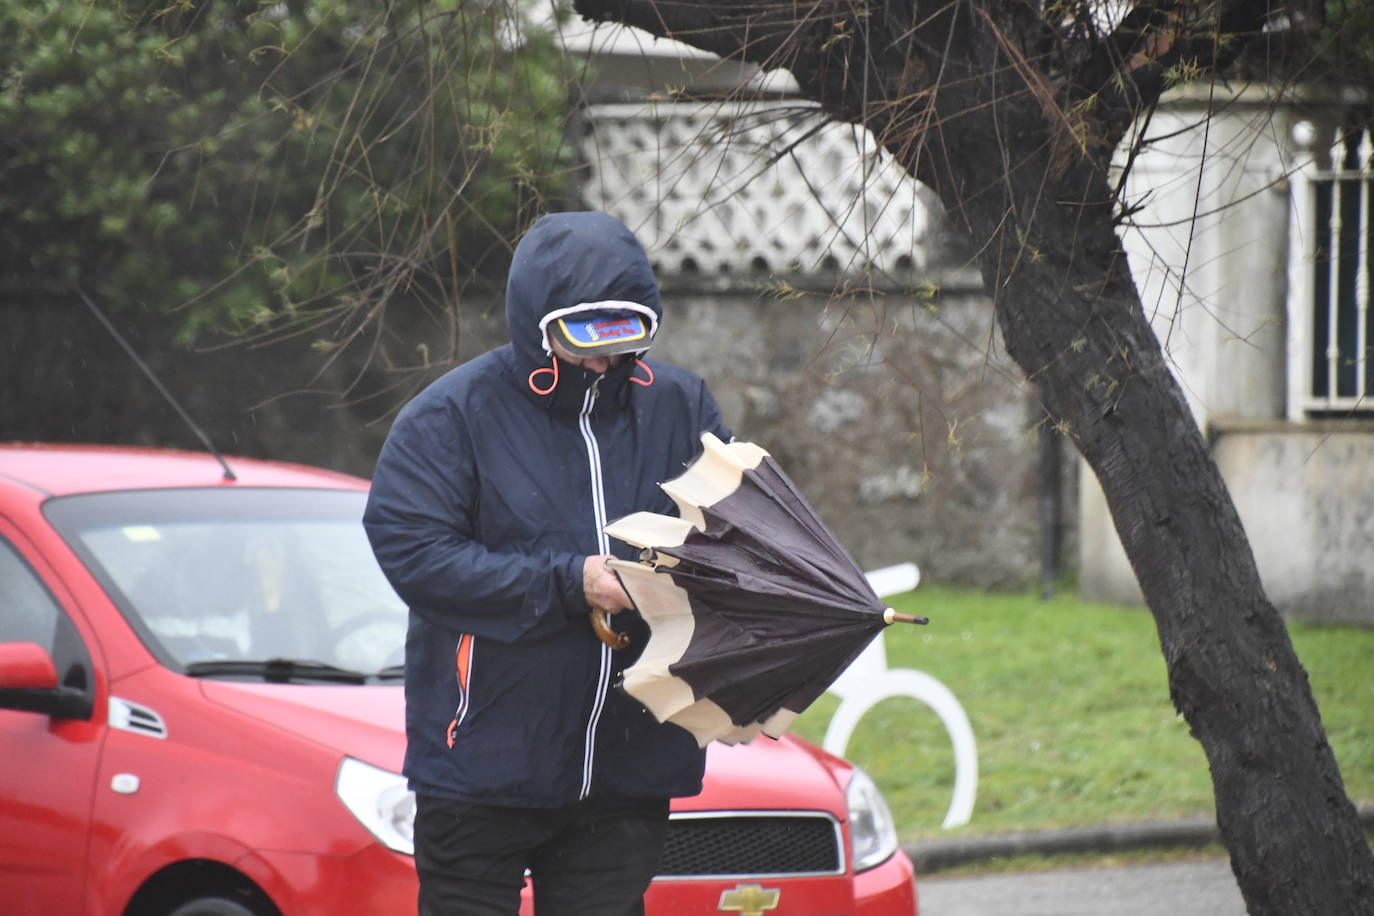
(1294, 837)
(1072, 319)
(962, 95)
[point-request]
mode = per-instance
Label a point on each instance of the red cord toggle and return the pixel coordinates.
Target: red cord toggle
(552, 385)
(641, 364)
(554, 371)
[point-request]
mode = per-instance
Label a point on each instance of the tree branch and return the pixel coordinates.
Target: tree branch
(1158, 45)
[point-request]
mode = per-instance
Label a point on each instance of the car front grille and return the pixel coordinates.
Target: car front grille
(745, 844)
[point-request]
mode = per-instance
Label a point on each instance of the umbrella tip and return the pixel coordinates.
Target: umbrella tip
(891, 616)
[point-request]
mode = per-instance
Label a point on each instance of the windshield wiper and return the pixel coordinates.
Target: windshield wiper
(391, 673)
(277, 670)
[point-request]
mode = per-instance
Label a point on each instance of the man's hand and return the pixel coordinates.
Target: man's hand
(602, 587)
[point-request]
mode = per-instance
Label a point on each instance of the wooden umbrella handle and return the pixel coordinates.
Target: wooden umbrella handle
(601, 623)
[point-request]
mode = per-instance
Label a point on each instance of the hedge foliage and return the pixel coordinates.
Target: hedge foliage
(269, 166)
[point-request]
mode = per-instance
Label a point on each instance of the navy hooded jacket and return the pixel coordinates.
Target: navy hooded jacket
(486, 499)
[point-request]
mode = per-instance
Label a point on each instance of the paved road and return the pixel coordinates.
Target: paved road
(1174, 889)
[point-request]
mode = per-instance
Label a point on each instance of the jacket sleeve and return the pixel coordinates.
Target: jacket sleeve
(420, 521)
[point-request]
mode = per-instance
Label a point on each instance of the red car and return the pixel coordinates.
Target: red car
(201, 715)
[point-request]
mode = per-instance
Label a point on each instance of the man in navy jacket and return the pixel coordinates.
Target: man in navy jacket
(486, 513)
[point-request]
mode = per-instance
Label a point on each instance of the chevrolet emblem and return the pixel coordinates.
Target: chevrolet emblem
(749, 900)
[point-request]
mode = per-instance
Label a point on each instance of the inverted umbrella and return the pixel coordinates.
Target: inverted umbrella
(753, 607)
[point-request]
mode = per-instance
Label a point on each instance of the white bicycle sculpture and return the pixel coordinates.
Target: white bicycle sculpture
(868, 681)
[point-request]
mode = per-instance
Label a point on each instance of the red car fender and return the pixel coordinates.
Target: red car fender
(241, 796)
(123, 874)
(261, 873)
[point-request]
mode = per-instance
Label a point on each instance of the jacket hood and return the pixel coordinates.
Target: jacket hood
(568, 260)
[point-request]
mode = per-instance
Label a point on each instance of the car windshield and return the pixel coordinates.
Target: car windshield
(236, 582)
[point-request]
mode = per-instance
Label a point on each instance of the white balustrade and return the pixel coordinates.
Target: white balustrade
(754, 188)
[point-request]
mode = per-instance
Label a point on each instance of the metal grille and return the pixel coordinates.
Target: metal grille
(744, 844)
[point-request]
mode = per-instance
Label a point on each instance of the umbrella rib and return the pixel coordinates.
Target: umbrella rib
(757, 587)
(737, 537)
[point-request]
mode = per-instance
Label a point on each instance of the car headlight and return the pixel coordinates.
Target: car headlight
(871, 828)
(380, 800)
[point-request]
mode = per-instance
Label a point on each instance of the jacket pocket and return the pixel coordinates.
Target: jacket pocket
(462, 663)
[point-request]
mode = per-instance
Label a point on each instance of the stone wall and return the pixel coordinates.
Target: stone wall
(897, 415)
(900, 418)
(1303, 494)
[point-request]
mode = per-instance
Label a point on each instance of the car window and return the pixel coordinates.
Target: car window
(28, 612)
(241, 575)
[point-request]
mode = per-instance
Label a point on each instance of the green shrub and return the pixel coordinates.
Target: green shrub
(268, 164)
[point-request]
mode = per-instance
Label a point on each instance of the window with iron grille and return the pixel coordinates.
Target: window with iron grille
(1332, 373)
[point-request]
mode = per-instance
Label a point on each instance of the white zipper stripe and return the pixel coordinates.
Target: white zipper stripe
(467, 687)
(589, 755)
(594, 464)
(603, 546)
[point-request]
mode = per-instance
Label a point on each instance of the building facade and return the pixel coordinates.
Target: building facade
(1252, 252)
(1253, 257)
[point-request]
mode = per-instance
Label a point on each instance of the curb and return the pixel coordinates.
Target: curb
(933, 855)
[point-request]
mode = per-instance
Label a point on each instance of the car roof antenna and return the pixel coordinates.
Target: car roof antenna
(200, 433)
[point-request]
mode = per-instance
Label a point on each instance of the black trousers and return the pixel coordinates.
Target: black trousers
(591, 858)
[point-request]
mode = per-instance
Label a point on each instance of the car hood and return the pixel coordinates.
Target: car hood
(366, 722)
(787, 773)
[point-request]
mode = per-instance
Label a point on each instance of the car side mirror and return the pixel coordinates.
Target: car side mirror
(26, 666)
(28, 681)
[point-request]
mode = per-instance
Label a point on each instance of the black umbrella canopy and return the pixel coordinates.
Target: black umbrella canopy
(753, 606)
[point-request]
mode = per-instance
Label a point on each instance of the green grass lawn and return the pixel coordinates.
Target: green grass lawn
(1070, 708)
